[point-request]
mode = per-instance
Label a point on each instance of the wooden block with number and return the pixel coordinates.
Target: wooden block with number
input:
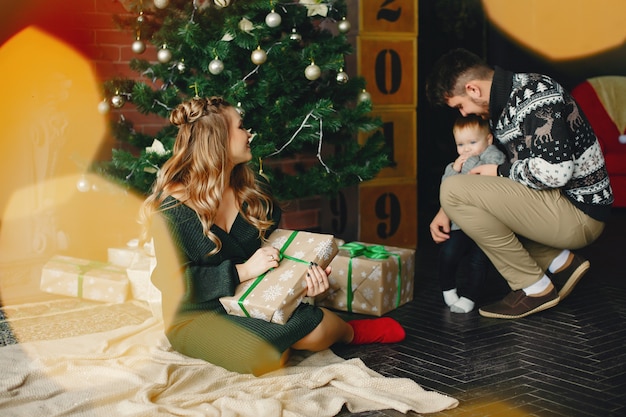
(388, 213)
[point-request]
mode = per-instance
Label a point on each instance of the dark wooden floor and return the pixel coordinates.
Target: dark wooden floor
(567, 361)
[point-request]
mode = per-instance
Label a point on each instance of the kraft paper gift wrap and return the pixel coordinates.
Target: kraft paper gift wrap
(92, 280)
(370, 279)
(275, 295)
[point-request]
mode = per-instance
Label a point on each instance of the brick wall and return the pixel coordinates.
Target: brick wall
(88, 26)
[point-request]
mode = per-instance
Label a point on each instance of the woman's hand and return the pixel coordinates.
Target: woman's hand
(317, 280)
(259, 263)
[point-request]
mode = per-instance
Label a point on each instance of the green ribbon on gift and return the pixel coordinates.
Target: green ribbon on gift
(82, 270)
(256, 282)
(355, 250)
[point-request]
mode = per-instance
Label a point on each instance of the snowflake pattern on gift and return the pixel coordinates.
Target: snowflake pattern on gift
(258, 314)
(286, 275)
(376, 274)
(279, 316)
(368, 293)
(272, 293)
(324, 249)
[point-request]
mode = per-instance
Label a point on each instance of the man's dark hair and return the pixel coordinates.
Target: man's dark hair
(448, 69)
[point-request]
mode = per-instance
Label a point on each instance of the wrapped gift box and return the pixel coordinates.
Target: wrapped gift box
(83, 278)
(125, 255)
(370, 279)
(275, 295)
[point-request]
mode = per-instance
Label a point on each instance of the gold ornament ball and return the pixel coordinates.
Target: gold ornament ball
(216, 66)
(295, 36)
(164, 55)
(342, 77)
(258, 56)
(312, 72)
(139, 47)
(161, 4)
(117, 101)
(344, 26)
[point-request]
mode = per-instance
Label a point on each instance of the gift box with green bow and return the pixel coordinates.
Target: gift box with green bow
(275, 295)
(370, 279)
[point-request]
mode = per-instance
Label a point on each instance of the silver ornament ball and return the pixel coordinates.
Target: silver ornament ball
(181, 67)
(312, 72)
(216, 66)
(364, 96)
(161, 4)
(295, 36)
(258, 56)
(342, 77)
(164, 55)
(273, 19)
(139, 47)
(117, 101)
(344, 26)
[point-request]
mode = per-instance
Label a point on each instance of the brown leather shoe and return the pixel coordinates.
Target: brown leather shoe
(517, 304)
(567, 279)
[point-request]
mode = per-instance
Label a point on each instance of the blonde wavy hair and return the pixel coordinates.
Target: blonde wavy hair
(199, 164)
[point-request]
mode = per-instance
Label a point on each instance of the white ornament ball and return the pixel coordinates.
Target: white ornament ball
(161, 4)
(216, 66)
(181, 67)
(364, 96)
(342, 77)
(258, 56)
(273, 19)
(221, 3)
(139, 47)
(344, 26)
(117, 101)
(83, 185)
(164, 55)
(312, 72)
(103, 107)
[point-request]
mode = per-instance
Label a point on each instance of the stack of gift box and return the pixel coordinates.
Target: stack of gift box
(126, 274)
(365, 279)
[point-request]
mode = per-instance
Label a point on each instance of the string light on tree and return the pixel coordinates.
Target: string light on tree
(258, 56)
(164, 55)
(312, 72)
(273, 19)
(216, 66)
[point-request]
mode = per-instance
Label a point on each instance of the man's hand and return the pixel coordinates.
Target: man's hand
(489, 169)
(440, 227)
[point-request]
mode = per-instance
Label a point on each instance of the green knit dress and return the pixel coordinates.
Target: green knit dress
(201, 327)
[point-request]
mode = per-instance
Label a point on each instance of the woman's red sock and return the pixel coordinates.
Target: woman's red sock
(381, 330)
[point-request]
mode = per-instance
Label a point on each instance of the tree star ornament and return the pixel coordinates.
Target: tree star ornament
(312, 72)
(164, 55)
(273, 19)
(258, 56)
(216, 66)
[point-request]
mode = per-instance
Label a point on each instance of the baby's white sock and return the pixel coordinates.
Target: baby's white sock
(450, 297)
(559, 261)
(464, 305)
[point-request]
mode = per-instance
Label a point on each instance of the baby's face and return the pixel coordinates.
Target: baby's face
(471, 141)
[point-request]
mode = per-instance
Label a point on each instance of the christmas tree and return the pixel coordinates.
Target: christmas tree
(281, 62)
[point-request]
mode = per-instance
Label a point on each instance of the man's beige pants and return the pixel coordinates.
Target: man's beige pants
(520, 229)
